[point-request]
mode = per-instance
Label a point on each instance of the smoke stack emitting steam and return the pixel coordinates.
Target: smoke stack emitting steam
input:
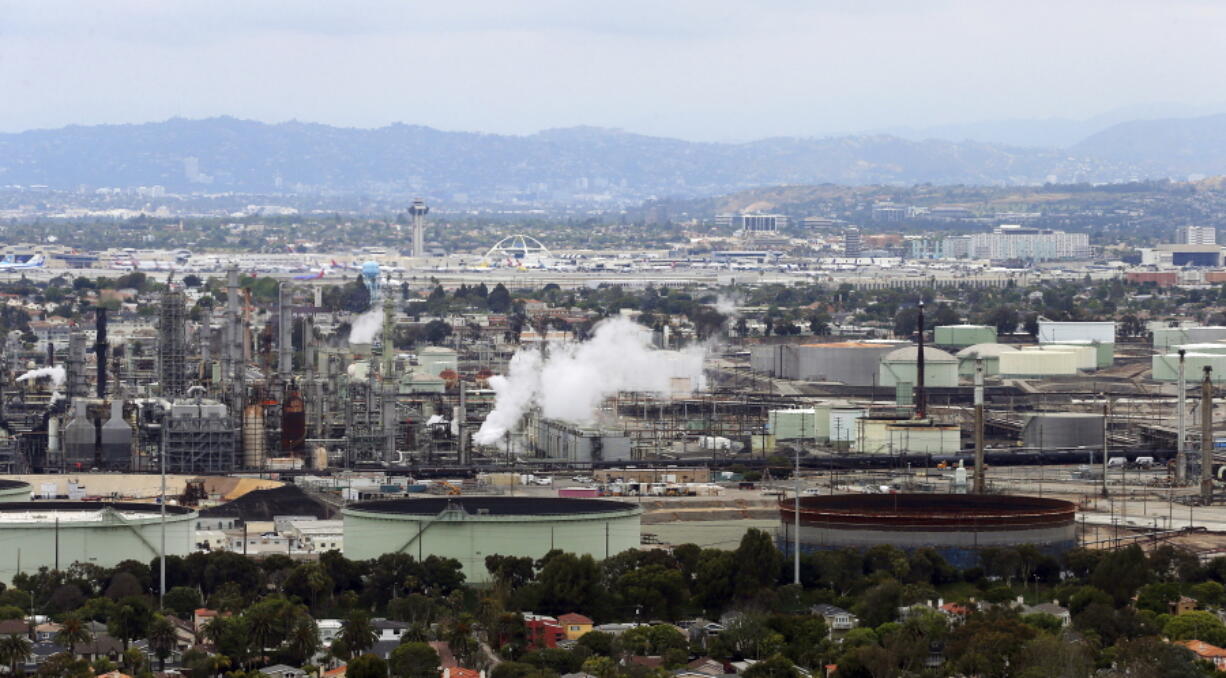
(56, 374)
(574, 379)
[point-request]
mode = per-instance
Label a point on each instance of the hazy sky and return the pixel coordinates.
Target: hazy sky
(697, 69)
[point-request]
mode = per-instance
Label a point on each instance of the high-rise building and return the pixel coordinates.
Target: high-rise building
(852, 247)
(1032, 244)
(1196, 235)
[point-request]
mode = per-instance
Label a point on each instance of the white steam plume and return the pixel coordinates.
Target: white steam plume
(56, 374)
(366, 327)
(574, 379)
(726, 306)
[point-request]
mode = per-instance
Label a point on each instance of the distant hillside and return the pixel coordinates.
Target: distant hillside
(1174, 147)
(226, 154)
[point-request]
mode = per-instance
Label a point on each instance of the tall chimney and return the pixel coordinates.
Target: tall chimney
(100, 350)
(1206, 438)
(921, 395)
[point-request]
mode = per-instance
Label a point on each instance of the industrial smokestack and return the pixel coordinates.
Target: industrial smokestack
(1181, 457)
(100, 350)
(921, 395)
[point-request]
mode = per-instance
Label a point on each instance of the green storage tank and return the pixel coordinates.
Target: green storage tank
(959, 336)
(471, 528)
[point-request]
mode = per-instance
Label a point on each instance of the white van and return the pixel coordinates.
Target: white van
(1117, 462)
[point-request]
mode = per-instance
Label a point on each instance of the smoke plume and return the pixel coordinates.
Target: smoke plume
(574, 379)
(366, 327)
(56, 374)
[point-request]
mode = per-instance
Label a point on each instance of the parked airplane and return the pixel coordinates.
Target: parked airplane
(10, 263)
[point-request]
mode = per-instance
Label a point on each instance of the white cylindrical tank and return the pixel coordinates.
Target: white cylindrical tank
(254, 437)
(56, 534)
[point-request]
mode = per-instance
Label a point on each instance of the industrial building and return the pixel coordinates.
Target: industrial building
(560, 441)
(957, 526)
(469, 528)
(1063, 431)
(1038, 364)
(56, 534)
(895, 435)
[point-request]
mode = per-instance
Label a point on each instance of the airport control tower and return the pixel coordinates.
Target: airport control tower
(418, 211)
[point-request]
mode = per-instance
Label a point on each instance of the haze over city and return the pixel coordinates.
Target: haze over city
(722, 71)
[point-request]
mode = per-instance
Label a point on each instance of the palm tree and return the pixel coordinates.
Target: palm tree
(73, 632)
(162, 638)
(218, 663)
(359, 634)
(14, 651)
(303, 637)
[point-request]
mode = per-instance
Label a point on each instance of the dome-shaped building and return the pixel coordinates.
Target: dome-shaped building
(990, 353)
(899, 366)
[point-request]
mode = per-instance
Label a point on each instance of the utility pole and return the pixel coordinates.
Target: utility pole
(921, 394)
(980, 471)
(1181, 461)
(162, 553)
(1206, 437)
(796, 507)
(1106, 442)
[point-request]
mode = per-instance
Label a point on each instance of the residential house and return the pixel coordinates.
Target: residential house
(706, 666)
(390, 629)
(543, 632)
(837, 619)
(46, 631)
(14, 627)
(201, 618)
(1207, 652)
(1054, 609)
(575, 625)
(458, 672)
(1183, 606)
(282, 671)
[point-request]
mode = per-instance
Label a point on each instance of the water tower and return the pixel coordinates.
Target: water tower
(372, 280)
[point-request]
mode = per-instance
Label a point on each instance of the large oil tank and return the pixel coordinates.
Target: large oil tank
(293, 424)
(254, 451)
(78, 437)
(116, 439)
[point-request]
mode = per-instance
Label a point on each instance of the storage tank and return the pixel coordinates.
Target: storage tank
(1063, 431)
(1213, 347)
(293, 425)
(900, 366)
(434, 360)
(471, 528)
(14, 490)
(1087, 357)
(1104, 352)
(1166, 367)
(116, 439)
(1052, 332)
(959, 336)
(56, 534)
(254, 437)
(957, 526)
(849, 362)
(1172, 337)
(990, 353)
(845, 425)
(1038, 364)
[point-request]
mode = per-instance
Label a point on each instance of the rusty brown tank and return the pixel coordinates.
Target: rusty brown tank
(293, 424)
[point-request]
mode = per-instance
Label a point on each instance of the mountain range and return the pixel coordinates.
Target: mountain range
(574, 164)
